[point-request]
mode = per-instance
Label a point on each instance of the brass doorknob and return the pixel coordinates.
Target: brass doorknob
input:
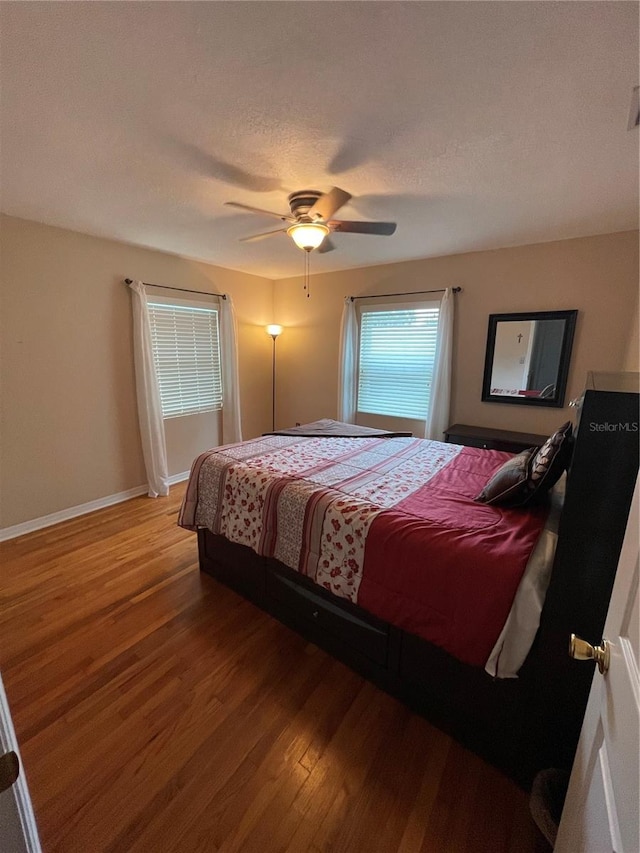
(579, 649)
(9, 770)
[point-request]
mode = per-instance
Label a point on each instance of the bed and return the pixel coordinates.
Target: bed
(392, 525)
(522, 724)
(329, 534)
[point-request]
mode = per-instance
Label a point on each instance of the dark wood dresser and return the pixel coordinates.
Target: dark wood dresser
(492, 439)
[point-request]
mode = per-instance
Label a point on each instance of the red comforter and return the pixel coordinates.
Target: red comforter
(390, 524)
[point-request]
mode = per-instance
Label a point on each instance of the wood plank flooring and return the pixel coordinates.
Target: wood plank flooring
(157, 711)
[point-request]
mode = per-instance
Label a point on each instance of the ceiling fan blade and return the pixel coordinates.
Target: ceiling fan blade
(325, 246)
(262, 235)
(329, 203)
(382, 229)
(284, 217)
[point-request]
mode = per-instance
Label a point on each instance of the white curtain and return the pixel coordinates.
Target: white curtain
(231, 420)
(348, 356)
(438, 417)
(154, 448)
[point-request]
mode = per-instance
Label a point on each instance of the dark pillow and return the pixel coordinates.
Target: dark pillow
(509, 486)
(527, 477)
(550, 461)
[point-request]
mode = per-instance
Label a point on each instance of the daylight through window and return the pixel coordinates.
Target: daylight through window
(186, 351)
(396, 360)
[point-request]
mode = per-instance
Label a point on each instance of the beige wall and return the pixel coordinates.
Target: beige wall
(597, 275)
(69, 421)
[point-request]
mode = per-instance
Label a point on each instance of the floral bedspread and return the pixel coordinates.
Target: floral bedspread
(389, 523)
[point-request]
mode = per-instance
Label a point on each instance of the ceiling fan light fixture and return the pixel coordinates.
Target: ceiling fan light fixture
(308, 235)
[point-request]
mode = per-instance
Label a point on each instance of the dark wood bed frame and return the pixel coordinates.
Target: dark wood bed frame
(521, 725)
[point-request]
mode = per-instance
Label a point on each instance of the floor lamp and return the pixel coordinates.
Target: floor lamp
(274, 330)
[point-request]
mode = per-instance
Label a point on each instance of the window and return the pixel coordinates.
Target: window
(396, 359)
(186, 350)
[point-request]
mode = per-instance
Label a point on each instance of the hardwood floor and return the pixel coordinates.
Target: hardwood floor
(158, 711)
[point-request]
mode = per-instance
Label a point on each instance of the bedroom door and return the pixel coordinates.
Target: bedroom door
(18, 833)
(601, 809)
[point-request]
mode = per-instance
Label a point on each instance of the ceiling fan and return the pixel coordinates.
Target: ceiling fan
(310, 220)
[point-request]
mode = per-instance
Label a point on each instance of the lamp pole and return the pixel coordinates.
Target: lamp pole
(274, 330)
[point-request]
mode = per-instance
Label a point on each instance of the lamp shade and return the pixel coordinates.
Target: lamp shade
(308, 235)
(274, 330)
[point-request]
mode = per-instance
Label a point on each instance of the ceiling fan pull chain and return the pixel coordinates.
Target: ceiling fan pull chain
(306, 272)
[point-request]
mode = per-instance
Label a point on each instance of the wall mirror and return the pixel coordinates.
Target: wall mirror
(528, 356)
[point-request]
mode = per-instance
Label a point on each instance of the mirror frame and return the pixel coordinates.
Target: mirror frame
(557, 401)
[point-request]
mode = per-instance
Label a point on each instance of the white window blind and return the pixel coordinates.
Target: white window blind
(396, 360)
(186, 351)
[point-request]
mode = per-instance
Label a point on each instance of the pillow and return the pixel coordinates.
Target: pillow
(527, 477)
(551, 460)
(509, 486)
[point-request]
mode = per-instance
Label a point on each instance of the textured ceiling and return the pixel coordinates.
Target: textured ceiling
(472, 125)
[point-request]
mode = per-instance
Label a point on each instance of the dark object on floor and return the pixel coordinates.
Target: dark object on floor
(548, 793)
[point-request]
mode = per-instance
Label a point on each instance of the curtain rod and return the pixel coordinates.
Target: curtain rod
(407, 293)
(180, 289)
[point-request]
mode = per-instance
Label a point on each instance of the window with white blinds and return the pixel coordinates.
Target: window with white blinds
(186, 351)
(396, 360)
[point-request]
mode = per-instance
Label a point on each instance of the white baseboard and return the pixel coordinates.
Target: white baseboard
(81, 509)
(179, 478)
